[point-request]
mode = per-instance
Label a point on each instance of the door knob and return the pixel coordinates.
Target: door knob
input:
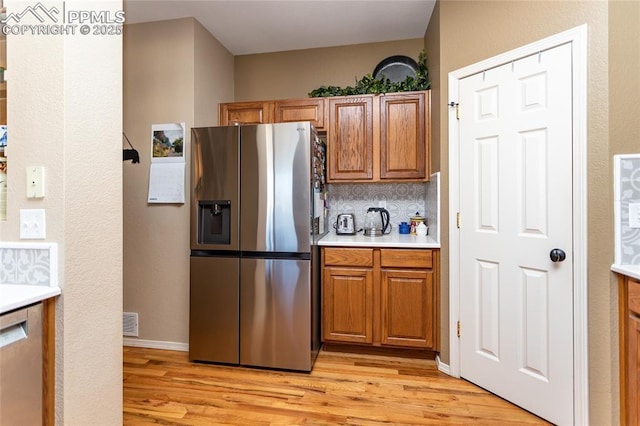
(557, 255)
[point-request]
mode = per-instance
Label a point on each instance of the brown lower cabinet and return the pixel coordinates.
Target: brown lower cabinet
(629, 296)
(380, 297)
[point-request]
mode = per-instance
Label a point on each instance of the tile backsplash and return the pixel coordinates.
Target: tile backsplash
(403, 201)
(627, 191)
(28, 264)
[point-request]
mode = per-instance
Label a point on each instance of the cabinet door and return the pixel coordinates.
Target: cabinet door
(404, 133)
(246, 113)
(294, 110)
(633, 371)
(407, 303)
(347, 305)
(350, 139)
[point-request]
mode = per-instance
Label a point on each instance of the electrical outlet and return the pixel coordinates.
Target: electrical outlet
(382, 204)
(634, 215)
(32, 224)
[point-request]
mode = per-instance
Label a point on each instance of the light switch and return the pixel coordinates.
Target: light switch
(35, 182)
(32, 224)
(634, 215)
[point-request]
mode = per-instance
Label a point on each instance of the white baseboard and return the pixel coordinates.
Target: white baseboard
(442, 366)
(184, 347)
(155, 344)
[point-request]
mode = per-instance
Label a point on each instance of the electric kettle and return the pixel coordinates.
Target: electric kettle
(376, 222)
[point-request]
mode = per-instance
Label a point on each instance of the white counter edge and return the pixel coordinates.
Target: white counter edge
(391, 241)
(632, 271)
(14, 296)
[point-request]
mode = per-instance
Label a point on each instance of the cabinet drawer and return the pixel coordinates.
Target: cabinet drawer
(633, 297)
(348, 256)
(404, 258)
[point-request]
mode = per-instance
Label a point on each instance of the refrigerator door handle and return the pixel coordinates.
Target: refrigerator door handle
(269, 238)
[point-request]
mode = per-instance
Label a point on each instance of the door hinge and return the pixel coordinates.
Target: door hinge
(458, 220)
(457, 105)
(458, 329)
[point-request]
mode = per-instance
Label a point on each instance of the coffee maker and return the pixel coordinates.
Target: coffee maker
(376, 222)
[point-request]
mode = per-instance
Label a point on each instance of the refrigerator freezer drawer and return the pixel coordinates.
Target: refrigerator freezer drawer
(213, 316)
(275, 322)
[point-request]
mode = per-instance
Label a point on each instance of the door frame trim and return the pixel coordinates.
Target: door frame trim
(578, 38)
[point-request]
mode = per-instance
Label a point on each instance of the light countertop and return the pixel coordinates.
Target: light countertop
(632, 271)
(394, 239)
(14, 296)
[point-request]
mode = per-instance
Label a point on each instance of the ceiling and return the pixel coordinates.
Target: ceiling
(261, 26)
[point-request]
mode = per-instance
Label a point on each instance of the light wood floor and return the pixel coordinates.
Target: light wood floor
(163, 387)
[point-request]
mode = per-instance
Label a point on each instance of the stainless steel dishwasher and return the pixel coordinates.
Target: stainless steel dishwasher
(21, 366)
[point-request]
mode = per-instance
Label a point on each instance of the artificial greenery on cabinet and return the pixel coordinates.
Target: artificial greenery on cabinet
(370, 85)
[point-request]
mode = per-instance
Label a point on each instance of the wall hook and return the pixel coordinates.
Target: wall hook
(130, 154)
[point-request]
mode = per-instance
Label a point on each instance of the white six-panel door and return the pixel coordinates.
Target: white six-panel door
(516, 304)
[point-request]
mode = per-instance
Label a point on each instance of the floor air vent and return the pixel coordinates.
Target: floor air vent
(130, 324)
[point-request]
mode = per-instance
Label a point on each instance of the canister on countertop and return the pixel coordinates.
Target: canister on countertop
(415, 220)
(403, 228)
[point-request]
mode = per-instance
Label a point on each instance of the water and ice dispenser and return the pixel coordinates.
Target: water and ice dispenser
(214, 222)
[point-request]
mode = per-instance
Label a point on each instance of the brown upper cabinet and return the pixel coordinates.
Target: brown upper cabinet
(246, 113)
(350, 138)
(403, 136)
(370, 138)
(311, 109)
(281, 111)
(377, 138)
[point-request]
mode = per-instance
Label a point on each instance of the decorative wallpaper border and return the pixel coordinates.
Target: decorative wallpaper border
(29, 264)
(626, 177)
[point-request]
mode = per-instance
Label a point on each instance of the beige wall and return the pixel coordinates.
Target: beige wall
(293, 74)
(174, 71)
(214, 67)
(624, 126)
(468, 32)
(64, 112)
(432, 49)
(624, 77)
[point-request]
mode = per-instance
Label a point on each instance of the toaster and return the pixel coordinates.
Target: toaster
(345, 224)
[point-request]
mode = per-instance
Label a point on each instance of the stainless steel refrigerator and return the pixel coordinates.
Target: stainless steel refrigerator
(257, 212)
